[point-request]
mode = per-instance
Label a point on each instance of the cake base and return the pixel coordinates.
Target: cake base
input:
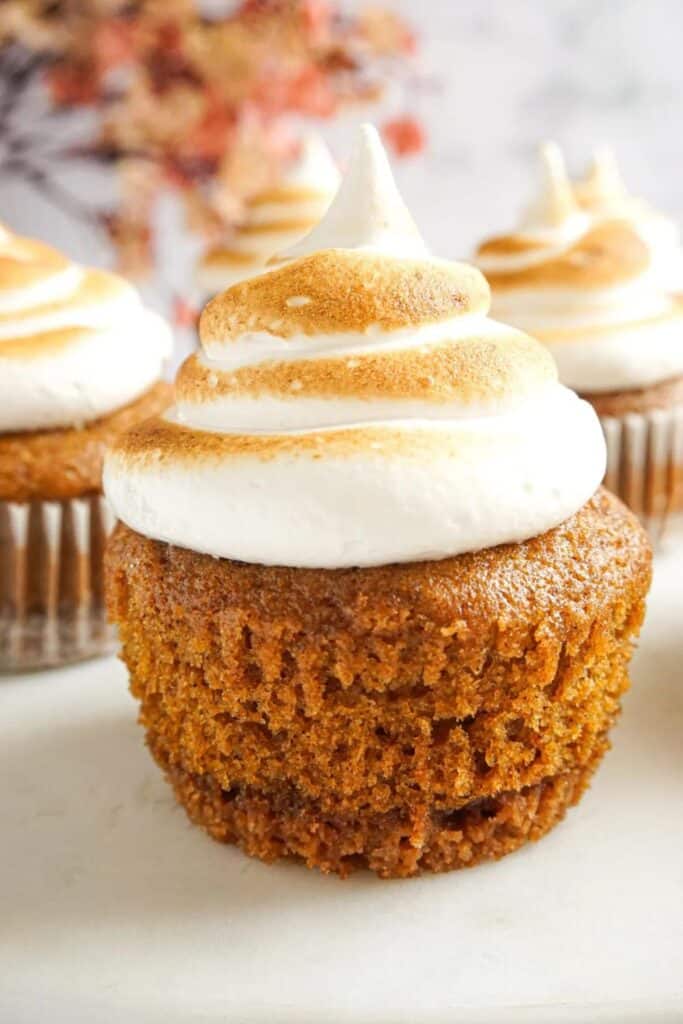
(406, 717)
(276, 825)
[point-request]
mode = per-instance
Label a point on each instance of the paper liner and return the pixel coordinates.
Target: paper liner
(51, 582)
(645, 467)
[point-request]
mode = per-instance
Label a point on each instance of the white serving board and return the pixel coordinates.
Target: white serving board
(114, 909)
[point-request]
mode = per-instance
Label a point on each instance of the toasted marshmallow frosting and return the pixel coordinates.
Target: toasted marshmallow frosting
(75, 343)
(355, 406)
(589, 288)
(275, 219)
(603, 195)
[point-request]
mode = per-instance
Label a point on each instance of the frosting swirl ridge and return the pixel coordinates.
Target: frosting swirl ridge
(356, 406)
(585, 282)
(75, 343)
(602, 193)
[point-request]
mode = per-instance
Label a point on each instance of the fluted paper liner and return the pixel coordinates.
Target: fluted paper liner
(645, 467)
(51, 582)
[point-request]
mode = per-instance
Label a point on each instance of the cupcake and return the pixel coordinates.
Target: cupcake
(275, 218)
(591, 289)
(374, 605)
(80, 359)
(603, 194)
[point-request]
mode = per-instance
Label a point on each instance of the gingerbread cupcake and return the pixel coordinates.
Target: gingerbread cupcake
(373, 604)
(275, 218)
(80, 361)
(592, 290)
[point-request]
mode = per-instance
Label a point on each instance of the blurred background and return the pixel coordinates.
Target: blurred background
(510, 73)
(142, 167)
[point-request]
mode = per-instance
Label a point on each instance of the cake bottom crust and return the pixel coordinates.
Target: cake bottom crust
(280, 823)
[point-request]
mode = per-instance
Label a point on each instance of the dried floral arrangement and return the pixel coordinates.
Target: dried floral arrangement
(181, 97)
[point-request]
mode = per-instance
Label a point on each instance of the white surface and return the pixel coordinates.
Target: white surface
(113, 908)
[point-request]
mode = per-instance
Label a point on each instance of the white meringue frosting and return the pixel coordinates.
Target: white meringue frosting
(75, 343)
(579, 276)
(602, 193)
(355, 406)
(275, 218)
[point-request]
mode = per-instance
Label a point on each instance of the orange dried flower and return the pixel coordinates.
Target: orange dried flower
(405, 135)
(196, 104)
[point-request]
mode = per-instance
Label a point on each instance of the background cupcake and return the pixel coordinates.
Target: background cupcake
(372, 607)
(602, 193)
(275, 218)
(591, 289)
(80, 361)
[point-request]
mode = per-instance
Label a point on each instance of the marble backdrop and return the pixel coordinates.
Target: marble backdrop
(502, 75)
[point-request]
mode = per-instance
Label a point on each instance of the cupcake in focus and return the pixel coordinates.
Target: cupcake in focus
(80, 362)
(603, 195)
(275, 219)
(372, 601)
(592, 290)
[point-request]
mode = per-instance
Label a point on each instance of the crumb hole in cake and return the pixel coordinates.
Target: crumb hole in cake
(514, 729)
(441, 730)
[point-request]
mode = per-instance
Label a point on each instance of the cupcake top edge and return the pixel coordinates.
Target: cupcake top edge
(355, 405)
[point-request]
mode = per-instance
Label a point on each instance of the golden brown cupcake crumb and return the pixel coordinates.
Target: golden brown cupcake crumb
(407, 717)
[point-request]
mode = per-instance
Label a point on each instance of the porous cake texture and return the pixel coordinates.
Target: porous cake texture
(406, 718)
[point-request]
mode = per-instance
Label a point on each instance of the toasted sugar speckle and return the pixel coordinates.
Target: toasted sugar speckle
(610, 253)
(174, 444)
(348, 291)
(471, 370)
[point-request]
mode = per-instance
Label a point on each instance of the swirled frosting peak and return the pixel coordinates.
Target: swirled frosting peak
(602, 194)
(355, 406)
(75, 343)
(588, 286)
(275, 217)
(555, 212)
